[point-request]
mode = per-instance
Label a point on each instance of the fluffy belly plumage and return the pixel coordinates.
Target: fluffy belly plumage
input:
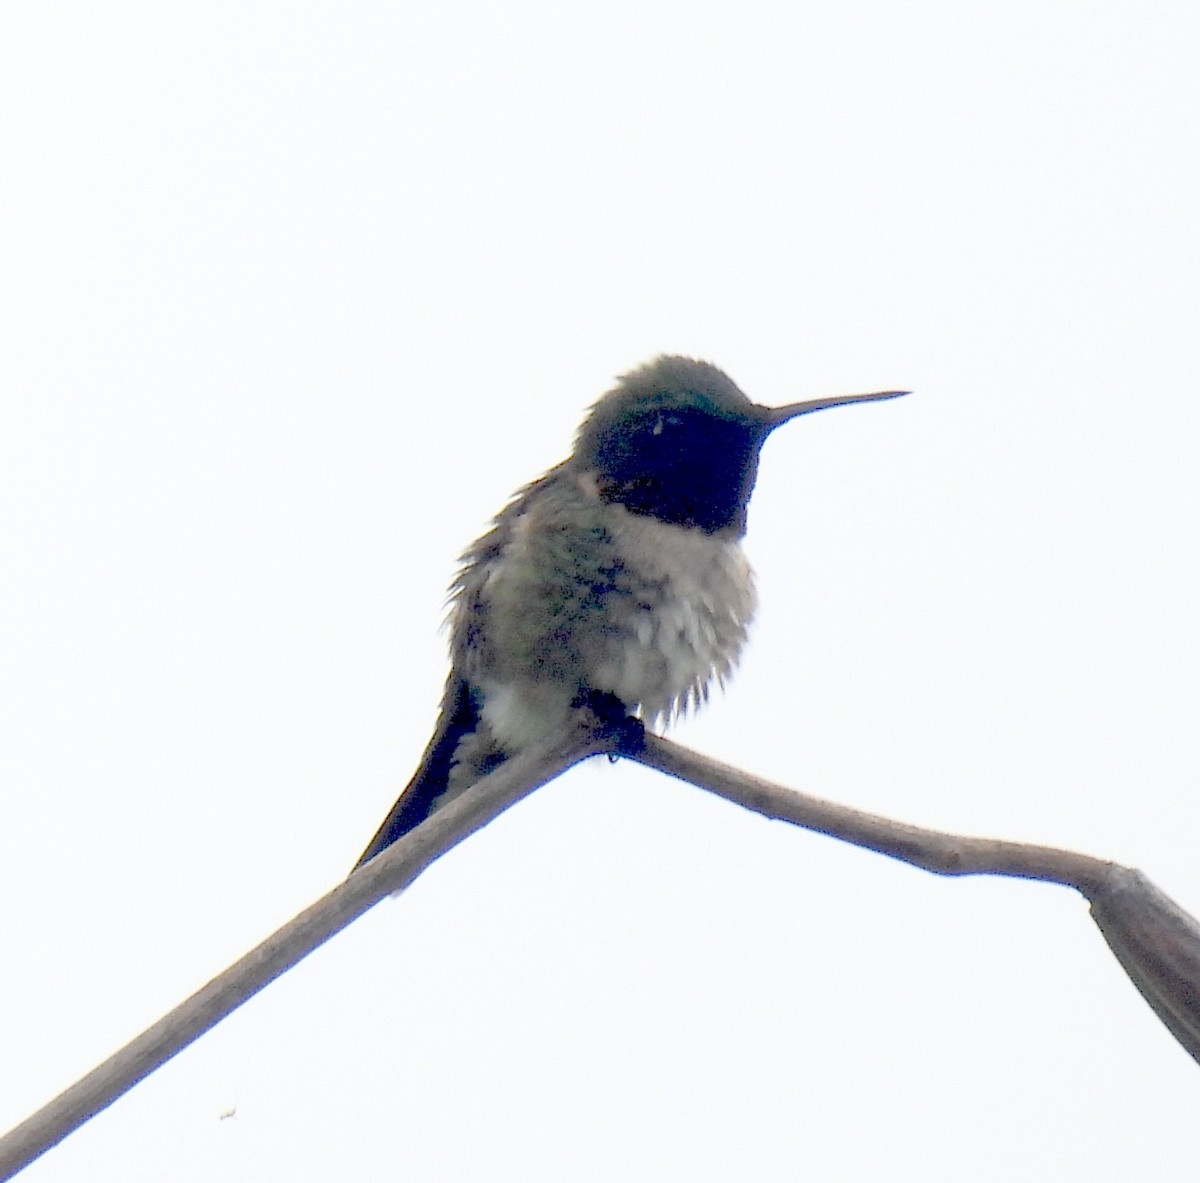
(656, 617)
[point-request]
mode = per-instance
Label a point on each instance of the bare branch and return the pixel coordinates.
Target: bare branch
(1156, 942)
(932, 850)
(394, 869)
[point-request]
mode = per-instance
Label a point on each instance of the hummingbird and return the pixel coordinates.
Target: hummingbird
(615, 582)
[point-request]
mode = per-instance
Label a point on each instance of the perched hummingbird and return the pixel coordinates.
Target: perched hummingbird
(615, 581)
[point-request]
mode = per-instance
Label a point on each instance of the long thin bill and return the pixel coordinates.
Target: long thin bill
(778, 415)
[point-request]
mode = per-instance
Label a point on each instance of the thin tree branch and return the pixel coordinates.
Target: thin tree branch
(394, 869)
(1154, 939)
(932, 850)
(1156, 942)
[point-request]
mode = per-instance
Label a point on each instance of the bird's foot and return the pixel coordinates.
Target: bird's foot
(626, 732)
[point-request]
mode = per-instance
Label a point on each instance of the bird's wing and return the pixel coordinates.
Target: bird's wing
(472, 647)
(459, 717)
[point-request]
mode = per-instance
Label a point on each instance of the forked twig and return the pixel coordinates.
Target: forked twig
(1156, 942)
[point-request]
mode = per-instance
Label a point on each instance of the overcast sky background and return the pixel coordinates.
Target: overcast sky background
(294, 296)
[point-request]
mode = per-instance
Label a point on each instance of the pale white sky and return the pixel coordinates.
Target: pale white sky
(294, 295)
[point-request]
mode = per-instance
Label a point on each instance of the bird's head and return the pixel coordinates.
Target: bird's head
(677, 440)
